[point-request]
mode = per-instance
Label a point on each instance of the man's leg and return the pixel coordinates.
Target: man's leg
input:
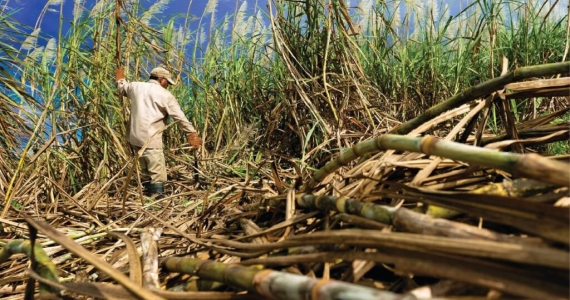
(156, 167)
(144, 168)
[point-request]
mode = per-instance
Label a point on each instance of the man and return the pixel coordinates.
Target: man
(151, 104)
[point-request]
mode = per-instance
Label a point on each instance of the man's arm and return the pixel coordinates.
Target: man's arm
(174, 110)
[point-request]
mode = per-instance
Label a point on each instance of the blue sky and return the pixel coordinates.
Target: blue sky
(28, 11)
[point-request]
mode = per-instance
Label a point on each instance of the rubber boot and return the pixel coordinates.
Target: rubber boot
(145, 187)
(155, 189)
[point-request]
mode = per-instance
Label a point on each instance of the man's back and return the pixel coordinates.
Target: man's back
(149, 109)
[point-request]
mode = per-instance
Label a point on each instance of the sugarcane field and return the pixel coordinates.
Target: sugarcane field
(285, 149)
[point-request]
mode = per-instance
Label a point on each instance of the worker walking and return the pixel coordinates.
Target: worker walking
(151, 104)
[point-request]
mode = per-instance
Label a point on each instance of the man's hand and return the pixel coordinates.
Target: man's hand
(194, 140)
(119, 74)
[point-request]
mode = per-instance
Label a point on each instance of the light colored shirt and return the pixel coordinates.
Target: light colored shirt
(151, 104)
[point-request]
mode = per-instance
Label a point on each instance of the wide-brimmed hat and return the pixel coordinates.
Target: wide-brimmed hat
(162, 72)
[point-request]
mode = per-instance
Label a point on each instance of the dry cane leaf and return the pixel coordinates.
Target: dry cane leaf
(91, 258)
(135, 269)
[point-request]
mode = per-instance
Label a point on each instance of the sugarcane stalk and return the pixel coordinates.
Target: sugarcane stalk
(402, 218)
(542, 220)
(481, 90)
(45, 267)
(517, 188)
(530, 133)
(539, 219)
(118, 32)
(380, 213)
(274, 284)
(524, 165)
(484, 263)
(475, 272)
(477, 248)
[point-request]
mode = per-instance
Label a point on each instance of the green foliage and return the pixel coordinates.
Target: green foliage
(562, 147)
(559, 148)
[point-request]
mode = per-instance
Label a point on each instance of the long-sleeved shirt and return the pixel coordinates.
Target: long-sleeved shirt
(151, 104)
